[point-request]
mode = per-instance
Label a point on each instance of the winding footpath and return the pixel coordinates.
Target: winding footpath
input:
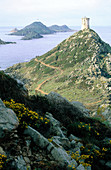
(38, 88)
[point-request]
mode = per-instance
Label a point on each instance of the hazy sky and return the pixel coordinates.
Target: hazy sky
(49, 12)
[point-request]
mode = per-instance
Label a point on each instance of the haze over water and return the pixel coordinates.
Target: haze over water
(25, 50)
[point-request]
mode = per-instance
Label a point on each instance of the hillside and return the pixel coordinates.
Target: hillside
(33, 31)
(32, 35)
(63, 28)
(62, 136)
(78, 69)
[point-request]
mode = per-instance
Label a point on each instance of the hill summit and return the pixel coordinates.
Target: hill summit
(63, 28)
(78, 68)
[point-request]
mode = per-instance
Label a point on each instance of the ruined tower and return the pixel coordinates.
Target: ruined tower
(85, 23)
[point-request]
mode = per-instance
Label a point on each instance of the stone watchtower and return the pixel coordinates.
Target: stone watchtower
(85, 23)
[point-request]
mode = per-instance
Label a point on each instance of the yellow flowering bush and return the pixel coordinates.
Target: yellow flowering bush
(3, 159)
(90, 154)
(26, 117)
(83, 159)
(85, 130)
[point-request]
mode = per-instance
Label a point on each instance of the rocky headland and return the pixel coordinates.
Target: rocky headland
(63, 120)
(78, 68)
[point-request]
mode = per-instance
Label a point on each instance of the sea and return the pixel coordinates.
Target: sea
(25, 50)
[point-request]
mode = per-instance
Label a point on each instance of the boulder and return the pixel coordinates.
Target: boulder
(19, 164)
(108, 164)
(80, 107)
(8, 120)
(62, 157)
(2, 151)
(55, 126)
(39, 139)
(80, 167)
(72, 137)
(64, 110)
(56, 152)
(61, 141)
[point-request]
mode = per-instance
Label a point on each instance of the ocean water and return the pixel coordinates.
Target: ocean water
(25, 50)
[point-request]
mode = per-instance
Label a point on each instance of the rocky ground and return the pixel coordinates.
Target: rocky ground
(56, 147)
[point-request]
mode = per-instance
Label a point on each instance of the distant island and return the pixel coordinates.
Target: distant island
(3, 42)
(34, 30)
(32, 35)
(63, 28)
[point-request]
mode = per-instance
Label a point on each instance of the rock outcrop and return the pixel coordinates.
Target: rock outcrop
(8, 120)
(65, 110)
(53, 149)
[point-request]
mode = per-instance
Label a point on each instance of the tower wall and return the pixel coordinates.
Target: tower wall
(85, 23)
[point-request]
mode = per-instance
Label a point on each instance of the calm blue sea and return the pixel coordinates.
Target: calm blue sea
(25, 50)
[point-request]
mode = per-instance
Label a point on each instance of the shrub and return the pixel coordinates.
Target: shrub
(27, 117)
(3, 159)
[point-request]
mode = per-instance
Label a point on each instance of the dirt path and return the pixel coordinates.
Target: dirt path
(38, 89)
(93, 103)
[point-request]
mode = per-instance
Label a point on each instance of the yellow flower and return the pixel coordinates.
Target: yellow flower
(41, 118)
(104, 149)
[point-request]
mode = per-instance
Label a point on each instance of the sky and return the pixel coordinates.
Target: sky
(60, 12)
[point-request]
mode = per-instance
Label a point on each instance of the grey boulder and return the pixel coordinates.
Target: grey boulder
(8, 120)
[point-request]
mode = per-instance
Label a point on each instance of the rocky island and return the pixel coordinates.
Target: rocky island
(37, 29)
(3, 42)
(33, 31)
(63, 28)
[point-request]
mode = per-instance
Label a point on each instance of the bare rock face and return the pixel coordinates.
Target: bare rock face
(65, 110)
(8, 120)
(57, 152)
(61, 104)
